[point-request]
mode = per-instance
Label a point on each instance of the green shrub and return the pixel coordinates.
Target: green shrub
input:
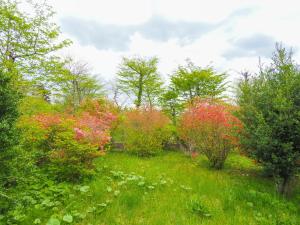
(145, 131)
(9, 99)
(68, 159)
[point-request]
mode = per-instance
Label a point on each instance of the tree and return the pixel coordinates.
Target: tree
(115, 94)
(270, 105)
(75, 83)
(27, 39)
(139, 77)
(171, 104)
(192, 81)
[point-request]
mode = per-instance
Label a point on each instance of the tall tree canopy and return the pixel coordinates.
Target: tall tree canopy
(139, 77)
(27, 39)
(192, 81)
(75, 83)
(171, 104)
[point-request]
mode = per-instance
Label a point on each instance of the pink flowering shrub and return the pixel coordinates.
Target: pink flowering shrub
(94, 129)
(67, 144)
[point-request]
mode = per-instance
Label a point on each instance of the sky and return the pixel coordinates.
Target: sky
(229, 35)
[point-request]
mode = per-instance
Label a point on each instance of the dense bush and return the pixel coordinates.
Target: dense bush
(9, 99)
(209, 127)
(270, 106)
(66, 144)
(145, 131)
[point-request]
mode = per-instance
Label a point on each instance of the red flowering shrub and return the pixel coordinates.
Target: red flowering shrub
(100, 116)
(209, 127)
(145, 131)
(68, 143)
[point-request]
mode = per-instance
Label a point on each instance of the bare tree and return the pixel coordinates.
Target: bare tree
(76, 82)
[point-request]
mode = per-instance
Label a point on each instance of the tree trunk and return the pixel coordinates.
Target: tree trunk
(191, 94)
(150, 101)
(173, 116)
(140, 92)
(284, 187)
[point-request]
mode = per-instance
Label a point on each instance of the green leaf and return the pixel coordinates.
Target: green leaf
(102, 204)
(91, 209)
(163, 182)
(185, 188)
(37, 221)
(79, 215)
(109, 189)
(141, 183)
(53, 221)
(84, 189)
(68, 218)
(250, 204)
(121, 183)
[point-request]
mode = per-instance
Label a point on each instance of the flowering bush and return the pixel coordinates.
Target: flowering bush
(209, 127)
(68, 143)
(145, 131)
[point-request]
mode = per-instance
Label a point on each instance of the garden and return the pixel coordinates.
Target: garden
(186, 151)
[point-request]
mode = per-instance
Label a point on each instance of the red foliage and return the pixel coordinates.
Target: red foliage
(210, 127)
(48, 120)
(91, 126)
(204, 114)
(146, 120)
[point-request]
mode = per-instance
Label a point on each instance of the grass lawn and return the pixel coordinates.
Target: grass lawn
(174, 189)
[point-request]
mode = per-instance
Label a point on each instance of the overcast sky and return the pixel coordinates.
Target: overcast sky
(230, 35)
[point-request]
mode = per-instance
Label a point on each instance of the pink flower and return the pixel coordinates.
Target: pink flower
(79, 134)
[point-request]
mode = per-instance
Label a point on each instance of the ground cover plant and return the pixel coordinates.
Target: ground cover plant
(168, 189)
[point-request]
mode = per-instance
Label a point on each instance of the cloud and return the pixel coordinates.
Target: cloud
(255, 45)
(102, 36)
(116, 37)
(157, 28)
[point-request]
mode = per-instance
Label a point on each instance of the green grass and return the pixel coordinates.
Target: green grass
(174, 189)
